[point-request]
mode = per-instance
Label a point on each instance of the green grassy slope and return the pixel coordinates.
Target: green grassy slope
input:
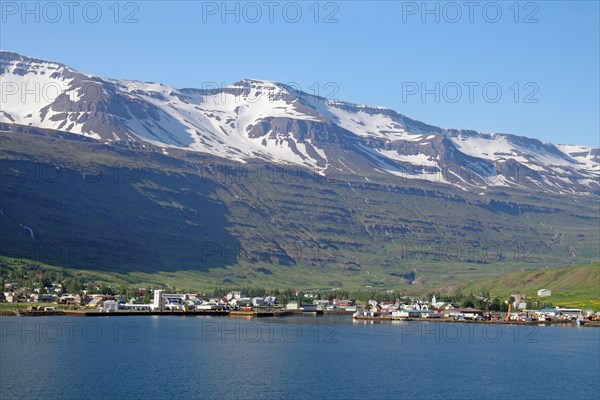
(577, 286)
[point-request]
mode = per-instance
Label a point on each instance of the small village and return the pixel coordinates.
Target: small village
(52, 300)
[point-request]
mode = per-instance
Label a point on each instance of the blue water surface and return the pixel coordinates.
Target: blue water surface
(169, 357)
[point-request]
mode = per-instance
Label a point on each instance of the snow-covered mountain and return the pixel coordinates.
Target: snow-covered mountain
(254, 120)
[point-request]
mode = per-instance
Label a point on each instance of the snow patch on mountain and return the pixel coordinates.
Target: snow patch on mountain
(260, 120)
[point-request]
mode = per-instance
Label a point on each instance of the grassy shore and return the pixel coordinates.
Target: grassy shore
(25, 306)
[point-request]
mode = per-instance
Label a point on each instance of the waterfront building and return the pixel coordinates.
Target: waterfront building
(342, 303)
(10, 297)
(159, 301)
(258, 301)
(411, 313)
(110, 306)
(292, 305)
(43, 298)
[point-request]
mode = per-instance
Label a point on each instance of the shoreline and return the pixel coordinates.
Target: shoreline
(276, 313)
(216, 313)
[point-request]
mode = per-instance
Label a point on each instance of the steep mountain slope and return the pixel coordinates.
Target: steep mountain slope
(258, 183)
(72, 201)
(270, 122)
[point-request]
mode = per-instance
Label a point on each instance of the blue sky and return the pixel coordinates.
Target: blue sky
(542, 56)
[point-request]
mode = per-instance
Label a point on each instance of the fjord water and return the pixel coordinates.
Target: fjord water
(292, 358)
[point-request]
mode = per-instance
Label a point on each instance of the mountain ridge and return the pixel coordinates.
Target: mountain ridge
(256, 120)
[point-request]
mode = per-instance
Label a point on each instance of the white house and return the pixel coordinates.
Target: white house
(258, 301)
(42, 298)
(321, 304)
(292, 305)
(241, 301)
(544, 293)
(235, 295)
(10, 297)
(110, 306)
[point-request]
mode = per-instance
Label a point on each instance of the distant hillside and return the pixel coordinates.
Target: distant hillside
(570, 286)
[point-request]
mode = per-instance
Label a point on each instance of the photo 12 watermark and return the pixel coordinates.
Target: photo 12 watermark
(257, 172)
(470, 12)
(67, 332)
(55, 12)
(454, 332)
(470, 92)
(492, 251)
(253, 92)
(71, 252)
(254, 332)
(253, 12)
(224, 252)
(32, 173)
(65, 93)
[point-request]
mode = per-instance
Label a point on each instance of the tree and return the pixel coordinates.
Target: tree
(495, 305)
